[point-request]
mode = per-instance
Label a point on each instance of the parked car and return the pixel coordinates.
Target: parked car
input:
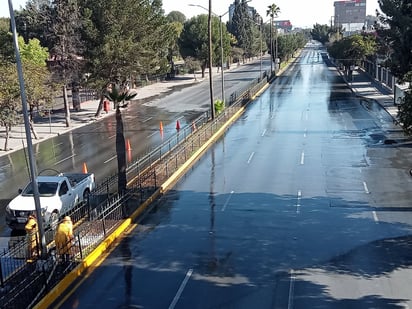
(58, 194)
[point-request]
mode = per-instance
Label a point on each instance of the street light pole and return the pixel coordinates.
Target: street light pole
(212, 105)
(221, 59)
(32, 162)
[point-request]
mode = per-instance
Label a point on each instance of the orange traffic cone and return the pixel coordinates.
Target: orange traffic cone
(177, 125)
(161, 126)
(128, 147)
(84, 170)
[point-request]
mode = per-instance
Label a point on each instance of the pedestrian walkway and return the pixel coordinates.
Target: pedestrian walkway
(54, 124)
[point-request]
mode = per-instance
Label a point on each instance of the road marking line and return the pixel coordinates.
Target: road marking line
(227, 201)
(291, 289)
(264, 132)
(305, 133)
(154, 133)
(365, 186)
(250, 157)
(375, 216)
(298, 201)
(62, 160)
(181, 288)
(302, 158)
(113, 136)
(147, 119)
(110, 159)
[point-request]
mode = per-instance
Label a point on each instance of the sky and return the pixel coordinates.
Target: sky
(301, 13)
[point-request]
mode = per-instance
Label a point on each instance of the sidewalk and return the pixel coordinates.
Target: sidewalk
(364, 86)
(54, 124)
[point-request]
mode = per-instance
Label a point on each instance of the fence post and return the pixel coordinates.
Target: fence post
(1, 274)
(80, 247)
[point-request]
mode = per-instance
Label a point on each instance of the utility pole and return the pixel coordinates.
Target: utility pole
(209, 26)
(32, 162)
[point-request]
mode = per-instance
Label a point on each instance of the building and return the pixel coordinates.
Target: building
(350, 14)
(284, 25)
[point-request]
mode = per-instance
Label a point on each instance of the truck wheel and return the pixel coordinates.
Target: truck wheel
(54, 220)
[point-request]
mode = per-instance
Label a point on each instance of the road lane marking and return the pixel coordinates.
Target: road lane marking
(250, 157)
(298, 201)
(375, 216)
(113, 136)
(291, 289)
(264, 132)
(62, 160)
(154, 133)
(365, 187)
(305, 133)
(227, 201)
(302, 158)
(147, 119)
(181, 288)
(110, 159)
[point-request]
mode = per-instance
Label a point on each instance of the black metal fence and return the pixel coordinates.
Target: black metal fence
(106, 209)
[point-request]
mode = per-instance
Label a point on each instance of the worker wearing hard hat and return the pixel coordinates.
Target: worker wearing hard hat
(32, 237)
(63, 239)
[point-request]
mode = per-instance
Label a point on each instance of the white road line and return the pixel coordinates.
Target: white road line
(264, 132)
(305, 133)
(298, 201)
(365, 187)
(302, 158)
(113, 136)
(154, 133)
(227, 201)
(291, 289)
(250, 157)
(110, 159)
(62, 160)
(375, 216)
(147, 119)
(181, 288)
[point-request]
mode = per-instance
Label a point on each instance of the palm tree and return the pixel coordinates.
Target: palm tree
(120, 100)
(272, 11)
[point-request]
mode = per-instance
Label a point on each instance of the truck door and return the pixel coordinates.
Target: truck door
(66, 197)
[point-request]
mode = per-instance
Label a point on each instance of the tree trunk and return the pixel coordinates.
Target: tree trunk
(76, 97)
(100, 107)
(31, 122)
(6, 142)
(66, 106)
(121, 152)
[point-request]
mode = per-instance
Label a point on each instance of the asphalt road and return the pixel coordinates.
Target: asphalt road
(300, 205)
(94, 144)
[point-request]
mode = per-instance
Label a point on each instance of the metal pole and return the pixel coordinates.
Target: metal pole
(261, 35)
(271, 45)
(32, 162)
(212, 105)
(221, 60)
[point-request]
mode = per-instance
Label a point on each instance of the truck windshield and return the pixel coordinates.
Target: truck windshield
(45, 189)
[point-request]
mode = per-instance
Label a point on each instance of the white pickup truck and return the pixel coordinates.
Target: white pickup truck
(58, 194)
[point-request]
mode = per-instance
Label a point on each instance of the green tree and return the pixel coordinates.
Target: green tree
(242, 27)
(395, 37)
(353, 49)
(194, 40)
(273, 11)
(9, 99)
(176, 16)
(396, 33)
(120, 98)
(320, 33)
